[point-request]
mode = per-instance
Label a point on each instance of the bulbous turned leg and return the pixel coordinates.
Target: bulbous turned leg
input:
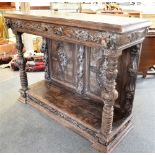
(22, 64)
(107, 116)
(109, 94)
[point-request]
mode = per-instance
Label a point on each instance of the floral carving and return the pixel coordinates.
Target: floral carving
(62, 57)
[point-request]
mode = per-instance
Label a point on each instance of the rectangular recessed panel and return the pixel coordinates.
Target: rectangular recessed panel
(96, 55)
(62, 61)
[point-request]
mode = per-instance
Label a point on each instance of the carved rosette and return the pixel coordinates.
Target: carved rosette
(80, 70)
(21, 63)
(107, 73)
(63, 60)
(132, 74)
(44, 49)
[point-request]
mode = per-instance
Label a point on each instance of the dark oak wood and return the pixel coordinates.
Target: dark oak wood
(90, 74)
(22, 63)
(147, 59)
(69, 107)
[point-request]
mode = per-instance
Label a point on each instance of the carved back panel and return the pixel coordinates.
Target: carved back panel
(79, 67)
(96, 56)
(62, 57)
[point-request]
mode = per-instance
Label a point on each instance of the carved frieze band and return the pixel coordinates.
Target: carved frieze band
(44, 49)
(107, 40)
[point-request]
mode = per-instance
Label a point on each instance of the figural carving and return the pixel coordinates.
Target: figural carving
(132, 72)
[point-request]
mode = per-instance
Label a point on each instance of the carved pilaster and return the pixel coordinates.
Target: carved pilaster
(80, 69)
(132, 75)
(63, 60)
(44, 49)
(21, 63)
(107, 73)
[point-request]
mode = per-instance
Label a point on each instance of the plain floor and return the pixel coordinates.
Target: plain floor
(24, 129)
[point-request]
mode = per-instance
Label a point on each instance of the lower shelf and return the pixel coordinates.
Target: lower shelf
(85, 111)
(81, 114)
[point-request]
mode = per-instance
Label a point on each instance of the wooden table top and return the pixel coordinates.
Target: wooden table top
(90, 21)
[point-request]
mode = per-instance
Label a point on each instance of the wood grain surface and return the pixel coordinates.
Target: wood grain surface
(92, 21)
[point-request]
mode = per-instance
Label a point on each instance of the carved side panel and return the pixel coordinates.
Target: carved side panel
(132, 76)
(122, 78)
(126, 79)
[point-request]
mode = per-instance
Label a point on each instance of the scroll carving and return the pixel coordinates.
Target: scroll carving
(21, 63)
(80, 72)
(44, 49)
(132, 72)
(107, 40)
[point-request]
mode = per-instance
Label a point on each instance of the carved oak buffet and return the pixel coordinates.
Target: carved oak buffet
(91, 66)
